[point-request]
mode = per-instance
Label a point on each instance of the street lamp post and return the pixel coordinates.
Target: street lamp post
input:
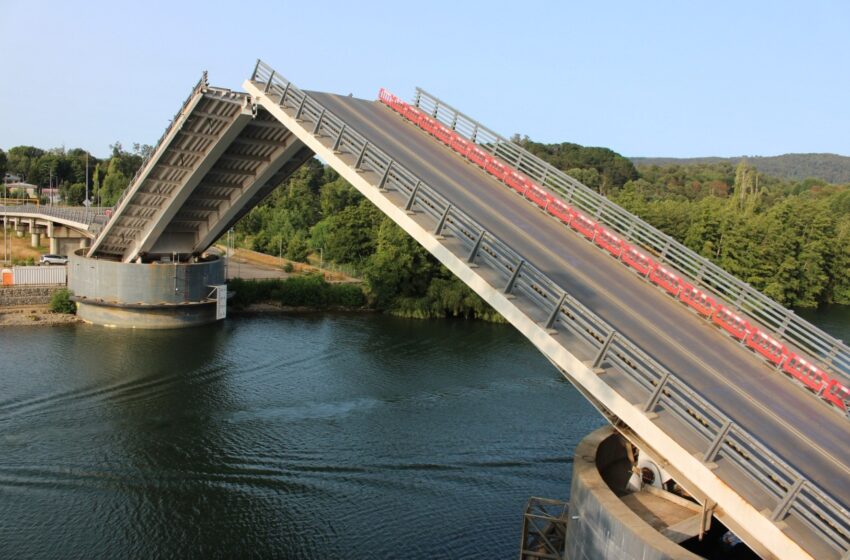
(5, 224)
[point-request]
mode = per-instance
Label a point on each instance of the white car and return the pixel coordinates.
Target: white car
(53, 259)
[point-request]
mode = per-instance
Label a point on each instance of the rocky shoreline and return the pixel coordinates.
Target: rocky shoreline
(35, 315)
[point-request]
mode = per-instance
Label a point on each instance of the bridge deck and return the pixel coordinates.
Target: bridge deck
(802, 430)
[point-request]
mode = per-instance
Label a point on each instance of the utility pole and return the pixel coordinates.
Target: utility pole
(5, 223)
(86, 201)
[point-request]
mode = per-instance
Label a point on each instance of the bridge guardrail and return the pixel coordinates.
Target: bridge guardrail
(77, 214)
(834, 354)
(822, 514)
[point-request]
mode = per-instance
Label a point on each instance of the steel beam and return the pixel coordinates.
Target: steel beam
(281, 156)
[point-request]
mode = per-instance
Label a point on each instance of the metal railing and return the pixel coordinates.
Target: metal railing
(791, 492)
(80, 215)
(703, 273)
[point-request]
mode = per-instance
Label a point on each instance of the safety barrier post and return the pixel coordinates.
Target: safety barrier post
(653, 399)
(474, 251)
(712, 451)
(510, 285)
(554, 315)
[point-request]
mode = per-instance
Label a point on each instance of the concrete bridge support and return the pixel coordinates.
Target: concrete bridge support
(608, 521)
(35, 236)
(157, 295)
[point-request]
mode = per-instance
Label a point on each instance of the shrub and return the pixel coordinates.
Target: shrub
(297, 291)
(61, 302)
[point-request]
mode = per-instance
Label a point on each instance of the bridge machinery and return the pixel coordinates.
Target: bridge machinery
(750, 445)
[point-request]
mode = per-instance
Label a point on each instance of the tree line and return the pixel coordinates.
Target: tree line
(317, 212)
(66, 170)
(788, 238)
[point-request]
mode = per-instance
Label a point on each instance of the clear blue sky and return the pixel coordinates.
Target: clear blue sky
(643, 78)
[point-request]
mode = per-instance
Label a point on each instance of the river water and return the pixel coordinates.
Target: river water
(307, 436)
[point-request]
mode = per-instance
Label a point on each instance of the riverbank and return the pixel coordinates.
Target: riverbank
(34, 315)
(272, 307)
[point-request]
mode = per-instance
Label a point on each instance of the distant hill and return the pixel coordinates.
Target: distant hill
(829, 167)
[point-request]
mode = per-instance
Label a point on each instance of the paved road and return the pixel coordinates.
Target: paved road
(799, 428)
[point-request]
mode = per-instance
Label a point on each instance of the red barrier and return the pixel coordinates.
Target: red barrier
(806, 372)
(497, 169)
(427, 123)
(517, 181)
(477, 156)
(412, 114)
(582, 224)
(608, 241)
(837, 394)
(732, 323)
(636, 259)
(391, 101)
(560, 210)
(660, 276)
(699, 300)
(443, 134)
(767, 346)
(537, 195)
(460, 144)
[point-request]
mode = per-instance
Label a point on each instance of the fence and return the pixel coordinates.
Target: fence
(36, 275)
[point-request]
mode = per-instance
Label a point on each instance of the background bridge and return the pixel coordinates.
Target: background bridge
(66, 228)
(745, 439)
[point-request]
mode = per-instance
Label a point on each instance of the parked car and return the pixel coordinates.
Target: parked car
(53, 259)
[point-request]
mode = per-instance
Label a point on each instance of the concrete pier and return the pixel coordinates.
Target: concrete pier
(607, 521)
(158, 295)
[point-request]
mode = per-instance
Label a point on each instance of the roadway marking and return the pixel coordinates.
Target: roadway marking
(615, 300)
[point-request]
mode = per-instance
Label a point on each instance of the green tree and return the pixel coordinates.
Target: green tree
(348, 236)
(74, 194)
(746, 193)
(337, 195)
(114, 182)
(399, 267)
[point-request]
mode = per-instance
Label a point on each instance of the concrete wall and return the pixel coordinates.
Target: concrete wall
(173, 317)
(123, 283)
(601, 526)
(147, 296)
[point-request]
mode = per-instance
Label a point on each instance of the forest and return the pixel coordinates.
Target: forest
(788, 238)
(832, 168)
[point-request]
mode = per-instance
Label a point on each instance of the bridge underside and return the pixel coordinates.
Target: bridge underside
(220, 158)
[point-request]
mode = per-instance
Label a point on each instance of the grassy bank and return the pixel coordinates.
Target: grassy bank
(297, 291)
(313, 292)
